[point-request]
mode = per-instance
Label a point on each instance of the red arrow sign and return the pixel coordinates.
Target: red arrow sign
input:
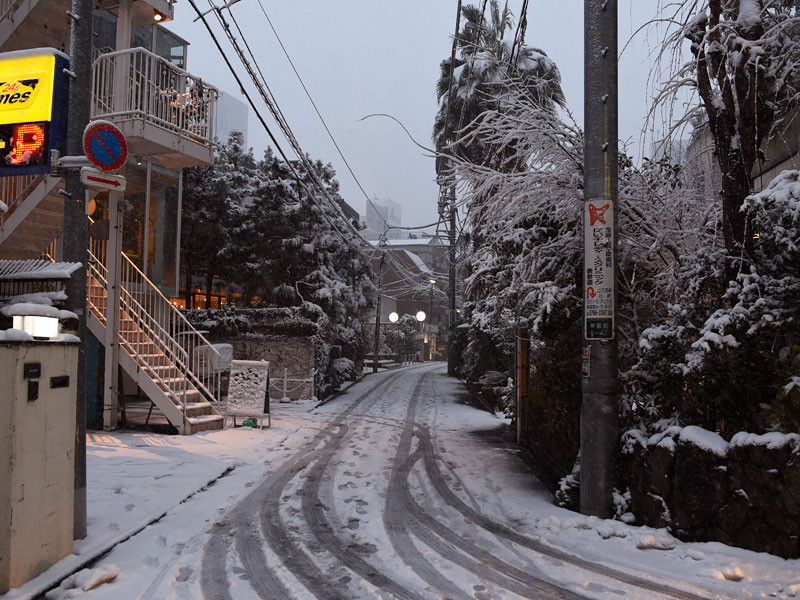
(97, 179)
(103, 181)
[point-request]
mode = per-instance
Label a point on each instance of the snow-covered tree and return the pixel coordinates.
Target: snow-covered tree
(284, 242)
(489, 61)
(745, 57)
(214, 198)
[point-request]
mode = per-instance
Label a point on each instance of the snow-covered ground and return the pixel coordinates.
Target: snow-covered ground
(159, 504)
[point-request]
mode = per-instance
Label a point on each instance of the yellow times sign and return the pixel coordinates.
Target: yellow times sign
(26, 88)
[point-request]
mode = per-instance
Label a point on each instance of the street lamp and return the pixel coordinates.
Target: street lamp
(421, 318)
(430, 322)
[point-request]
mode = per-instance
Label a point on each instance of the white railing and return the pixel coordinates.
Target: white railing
(15, 189)
(285, 386)
(155, 332)
(136, 83)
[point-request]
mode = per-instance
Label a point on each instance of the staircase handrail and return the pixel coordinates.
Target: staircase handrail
(127, 299)
(184, 356)
(98, 271)
(160, 335)
(18, 186)
(7, 8)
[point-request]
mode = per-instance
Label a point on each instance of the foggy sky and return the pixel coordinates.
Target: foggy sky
(360, 57)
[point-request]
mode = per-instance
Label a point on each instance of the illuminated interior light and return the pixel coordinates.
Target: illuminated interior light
(27, 138)
(37, 327)
(157, 16)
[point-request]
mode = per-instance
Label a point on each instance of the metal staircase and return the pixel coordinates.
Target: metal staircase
(35, 214)
(171, 362)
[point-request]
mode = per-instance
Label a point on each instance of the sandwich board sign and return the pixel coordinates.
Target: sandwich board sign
(248, 390)
(34, 98)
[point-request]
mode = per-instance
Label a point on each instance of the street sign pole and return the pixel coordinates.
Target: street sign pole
(599, 353)
(76, 229)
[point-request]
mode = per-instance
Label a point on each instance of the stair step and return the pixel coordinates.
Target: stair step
(193, 396)
(205, 423)
(199, 409)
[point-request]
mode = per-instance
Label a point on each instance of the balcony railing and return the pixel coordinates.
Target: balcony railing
(138, 84)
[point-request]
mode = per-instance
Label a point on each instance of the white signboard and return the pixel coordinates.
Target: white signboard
(599, 269)
(248, 389)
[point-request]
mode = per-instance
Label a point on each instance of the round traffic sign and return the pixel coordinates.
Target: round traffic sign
(105, 145)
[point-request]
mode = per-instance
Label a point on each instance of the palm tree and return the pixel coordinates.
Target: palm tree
(488, 67)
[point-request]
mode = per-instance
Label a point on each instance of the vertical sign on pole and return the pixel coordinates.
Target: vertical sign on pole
(599, 269)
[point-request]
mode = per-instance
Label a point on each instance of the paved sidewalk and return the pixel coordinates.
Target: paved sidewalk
(135, 478)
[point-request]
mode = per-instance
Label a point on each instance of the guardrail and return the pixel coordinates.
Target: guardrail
(285, 385)
(137, 83)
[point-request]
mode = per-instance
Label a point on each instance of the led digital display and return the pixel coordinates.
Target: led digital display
(24, 144)
(33, 105)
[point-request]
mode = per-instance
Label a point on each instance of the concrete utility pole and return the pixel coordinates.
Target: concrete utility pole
(76, 228)
(451, 288)
(599, 409)
(377, 348)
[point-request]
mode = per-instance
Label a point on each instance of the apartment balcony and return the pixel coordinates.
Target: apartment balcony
(163, 111)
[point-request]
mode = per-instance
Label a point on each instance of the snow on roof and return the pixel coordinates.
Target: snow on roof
(12, 270)
(431, 241)
(418, 262)
(31, 309)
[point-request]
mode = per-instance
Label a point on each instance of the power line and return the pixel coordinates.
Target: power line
(316, 109)
(201, 16)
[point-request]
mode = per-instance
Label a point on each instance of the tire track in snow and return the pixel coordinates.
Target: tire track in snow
(500, 530)
(403, 516)
(264, 502)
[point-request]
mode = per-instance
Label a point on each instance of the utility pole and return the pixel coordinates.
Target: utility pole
(76, 228)
(448, 203)
(377, 348)
(599, 352)
(451, 288)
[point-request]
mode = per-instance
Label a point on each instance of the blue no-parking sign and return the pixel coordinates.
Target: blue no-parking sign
(105, 145)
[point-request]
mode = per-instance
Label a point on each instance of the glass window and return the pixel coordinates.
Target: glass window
(163, 228)
(104, 25)
(170, 47)
(142, 37)
(133, 215)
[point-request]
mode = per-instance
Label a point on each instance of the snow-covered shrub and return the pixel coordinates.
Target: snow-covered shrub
(711, 360)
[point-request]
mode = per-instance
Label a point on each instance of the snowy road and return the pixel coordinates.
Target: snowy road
(395, 489)
(369, 507)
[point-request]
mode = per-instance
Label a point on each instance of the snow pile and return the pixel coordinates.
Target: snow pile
(659, 540)
(83, 581)
(707, 440)
(34, 309)
(15, 335)
(772, 440)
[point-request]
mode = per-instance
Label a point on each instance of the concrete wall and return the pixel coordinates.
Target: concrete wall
(37, 449)
(745, 493)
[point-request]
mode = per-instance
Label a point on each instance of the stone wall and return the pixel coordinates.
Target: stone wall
(293, 353)
(745, 493)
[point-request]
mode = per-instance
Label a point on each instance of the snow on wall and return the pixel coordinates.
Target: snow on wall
(707, 440)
